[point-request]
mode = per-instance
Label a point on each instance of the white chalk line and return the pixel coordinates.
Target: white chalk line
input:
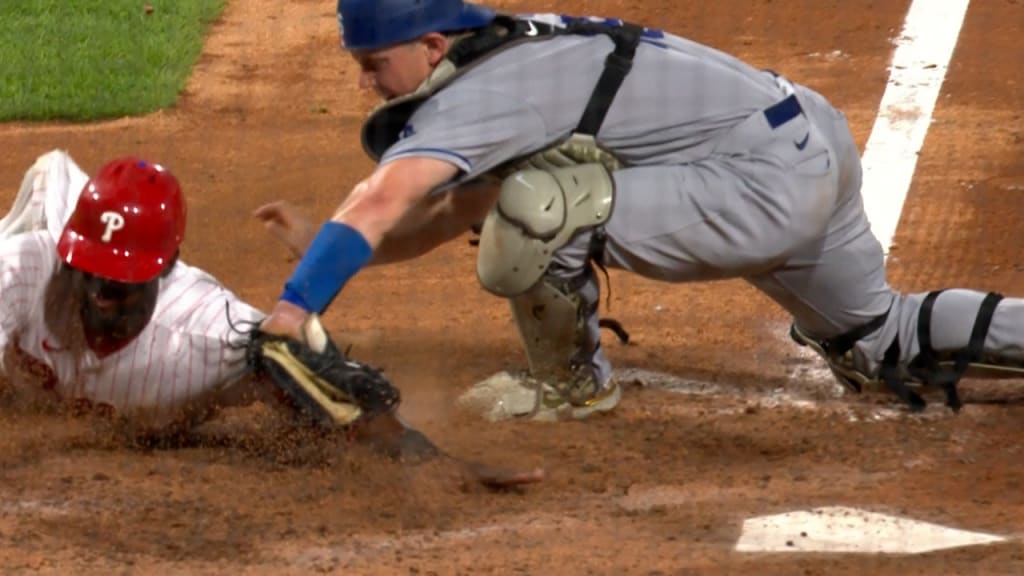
(638, 499)
(358, 548)
(917, 72)
(821, 394)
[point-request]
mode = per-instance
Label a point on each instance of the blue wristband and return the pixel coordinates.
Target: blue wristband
(337, 253)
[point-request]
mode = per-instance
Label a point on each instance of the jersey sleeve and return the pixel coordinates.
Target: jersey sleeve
(474, 129)
(64, 183)
(26, 263)
(205, 324)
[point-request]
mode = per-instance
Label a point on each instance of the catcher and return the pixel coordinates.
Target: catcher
(103, 314)
(613, 145)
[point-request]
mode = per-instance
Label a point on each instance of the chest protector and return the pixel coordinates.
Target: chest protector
(385, 123)
(546, 198)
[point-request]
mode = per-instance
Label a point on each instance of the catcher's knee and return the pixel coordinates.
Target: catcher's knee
(538, 212)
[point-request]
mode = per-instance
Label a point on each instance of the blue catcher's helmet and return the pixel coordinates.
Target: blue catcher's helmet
(373, 24)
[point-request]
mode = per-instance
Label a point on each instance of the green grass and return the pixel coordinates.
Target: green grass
(91, 59)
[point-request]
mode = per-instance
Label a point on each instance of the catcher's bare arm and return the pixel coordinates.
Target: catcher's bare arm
(346, 243)
(436, 219)
(378, 205)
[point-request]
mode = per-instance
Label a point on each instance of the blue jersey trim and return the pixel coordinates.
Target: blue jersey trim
(459, 160)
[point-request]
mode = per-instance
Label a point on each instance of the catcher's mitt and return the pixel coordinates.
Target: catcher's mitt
(319, 379)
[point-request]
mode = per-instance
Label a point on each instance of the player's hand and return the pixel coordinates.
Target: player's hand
(285, 319)
(285, 221)
(497, 478)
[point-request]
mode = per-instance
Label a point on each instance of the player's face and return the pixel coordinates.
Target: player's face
(399, 70)
(116, 309)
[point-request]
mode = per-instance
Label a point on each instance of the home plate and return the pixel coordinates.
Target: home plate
(839, 529)
(503, 396)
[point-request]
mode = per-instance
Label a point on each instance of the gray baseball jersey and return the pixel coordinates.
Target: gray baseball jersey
(724, 178)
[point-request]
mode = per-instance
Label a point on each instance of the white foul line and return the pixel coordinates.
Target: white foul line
(918, 68)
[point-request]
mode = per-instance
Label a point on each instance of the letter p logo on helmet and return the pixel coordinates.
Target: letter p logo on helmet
(114, 222)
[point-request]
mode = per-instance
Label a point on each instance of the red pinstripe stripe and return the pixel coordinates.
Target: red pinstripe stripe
(149, 363)
(188, 380)
(160, 385)
(131, 373)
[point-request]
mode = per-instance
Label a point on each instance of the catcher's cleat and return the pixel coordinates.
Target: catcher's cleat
(841, 365)
(578, 399)
(930, 368)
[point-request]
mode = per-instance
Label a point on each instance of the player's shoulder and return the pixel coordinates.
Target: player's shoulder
(38, 245)
(189, 294)
(187, 283)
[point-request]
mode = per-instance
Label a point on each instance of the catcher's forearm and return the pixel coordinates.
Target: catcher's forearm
(409, 245)
(435, 221)
(377, 205)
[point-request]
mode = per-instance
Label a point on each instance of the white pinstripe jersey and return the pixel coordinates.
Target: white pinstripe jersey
(182, 356)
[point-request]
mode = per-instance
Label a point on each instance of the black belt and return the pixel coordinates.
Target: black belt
(782, 112)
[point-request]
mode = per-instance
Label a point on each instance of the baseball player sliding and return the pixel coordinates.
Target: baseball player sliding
(96, 300)
(632, 148)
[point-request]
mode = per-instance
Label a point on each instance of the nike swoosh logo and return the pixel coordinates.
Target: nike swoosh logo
(802, 143)
(531, 29)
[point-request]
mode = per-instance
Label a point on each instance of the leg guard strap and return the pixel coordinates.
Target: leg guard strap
(836, 350)
(843, 343)
(929, 367)
(926, 365)
(889, 372)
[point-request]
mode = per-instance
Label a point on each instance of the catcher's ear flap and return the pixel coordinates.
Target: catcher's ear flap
(314, 333)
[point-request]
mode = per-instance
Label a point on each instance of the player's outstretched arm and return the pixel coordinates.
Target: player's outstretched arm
(379, 204)
(435, 220)
(346, 243)
(288, 224)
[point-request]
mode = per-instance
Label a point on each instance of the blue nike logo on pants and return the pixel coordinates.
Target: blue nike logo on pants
(802, 143)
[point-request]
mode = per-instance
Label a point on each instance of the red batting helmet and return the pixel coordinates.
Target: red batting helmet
(128, 223)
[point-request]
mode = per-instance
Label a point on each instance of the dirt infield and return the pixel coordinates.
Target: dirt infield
(660, 487)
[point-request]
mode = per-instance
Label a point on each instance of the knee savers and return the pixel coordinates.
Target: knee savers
(538, 212)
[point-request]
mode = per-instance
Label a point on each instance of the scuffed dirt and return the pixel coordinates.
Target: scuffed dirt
(661, 486)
